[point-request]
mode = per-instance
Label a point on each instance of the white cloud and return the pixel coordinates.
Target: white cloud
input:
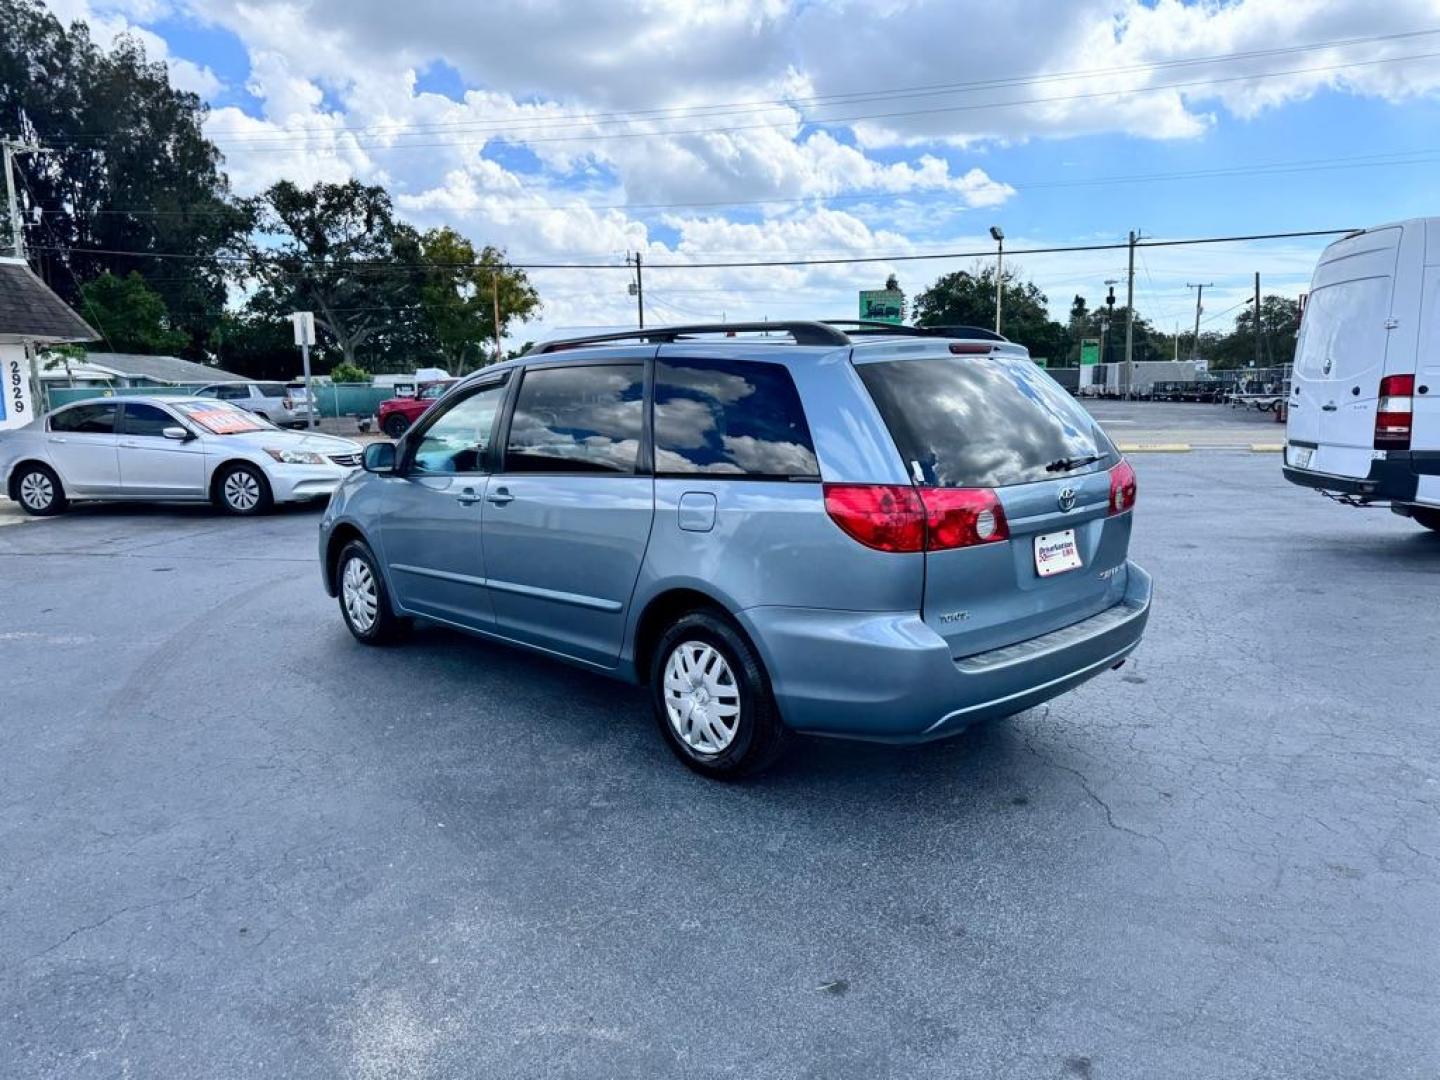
(646, 103)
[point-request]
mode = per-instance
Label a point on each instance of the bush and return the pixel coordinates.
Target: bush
(345, 372)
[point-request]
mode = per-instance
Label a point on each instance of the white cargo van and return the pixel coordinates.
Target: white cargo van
(1364, 402)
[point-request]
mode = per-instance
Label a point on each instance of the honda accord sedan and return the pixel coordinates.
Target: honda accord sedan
(168, 449)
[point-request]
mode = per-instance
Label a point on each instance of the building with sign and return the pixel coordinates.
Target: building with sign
(31, 317)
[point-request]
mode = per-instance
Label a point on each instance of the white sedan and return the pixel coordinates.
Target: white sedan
(163, 448)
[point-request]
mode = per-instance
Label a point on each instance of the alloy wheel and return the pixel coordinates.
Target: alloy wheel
(242, 491)
(36, 491)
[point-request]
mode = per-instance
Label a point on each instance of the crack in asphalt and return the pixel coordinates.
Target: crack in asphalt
(1095, 797)
(114, 915)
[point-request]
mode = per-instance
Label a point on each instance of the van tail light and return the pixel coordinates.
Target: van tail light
(1394, 412)
(886, 517)
(1122, 487)
(288, 402)
(897, 517)
(962, 517)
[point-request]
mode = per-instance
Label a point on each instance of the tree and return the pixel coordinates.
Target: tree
(130, 168)
(458, 295)
(967, 298)
(255, 346)
(130, 315)
(331, 249)
(348, 373)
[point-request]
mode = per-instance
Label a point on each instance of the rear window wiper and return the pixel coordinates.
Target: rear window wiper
(1070, 464)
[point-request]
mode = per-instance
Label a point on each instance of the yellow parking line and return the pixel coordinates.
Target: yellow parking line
(1268, 447)
(1154, 448)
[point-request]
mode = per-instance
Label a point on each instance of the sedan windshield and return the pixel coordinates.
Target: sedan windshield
(219, 418)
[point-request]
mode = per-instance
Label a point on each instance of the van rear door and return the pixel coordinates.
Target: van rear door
(968, 425)
(1340, 355)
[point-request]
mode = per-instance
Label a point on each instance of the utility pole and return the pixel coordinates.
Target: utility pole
(637, 288)
(1257, 319)
(13, 149)
(1199, 293)
(998, 235)
(1130, 320)
(495, 296)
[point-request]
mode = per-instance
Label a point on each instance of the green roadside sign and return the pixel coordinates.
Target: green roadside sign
(1089, 351)
(882, 305)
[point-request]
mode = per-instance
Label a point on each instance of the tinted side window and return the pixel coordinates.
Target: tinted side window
(578, 419)
(737, 418)
(456, 442)
(233, 393)
(141, 419)
(98, 419)
(272, 389)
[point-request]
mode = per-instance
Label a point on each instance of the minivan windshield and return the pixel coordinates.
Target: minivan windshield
(984, 421)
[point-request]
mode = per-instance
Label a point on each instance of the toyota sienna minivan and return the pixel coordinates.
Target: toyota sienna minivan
(778, 528)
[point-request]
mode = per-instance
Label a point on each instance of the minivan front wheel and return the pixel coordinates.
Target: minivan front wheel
(712, 698)
(364, 600)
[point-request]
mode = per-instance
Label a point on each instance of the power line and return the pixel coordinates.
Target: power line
(288, 142)
(683, 112)
(522, 264)
(1424, 156)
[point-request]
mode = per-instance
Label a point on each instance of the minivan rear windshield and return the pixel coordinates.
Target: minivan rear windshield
(983, 421)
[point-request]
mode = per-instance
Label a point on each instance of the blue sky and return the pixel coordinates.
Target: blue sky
(855, 129)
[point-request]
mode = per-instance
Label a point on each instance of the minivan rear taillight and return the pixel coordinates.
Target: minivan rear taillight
(1393, 412)
(896, 517)
(1122, 487)
(962, 517)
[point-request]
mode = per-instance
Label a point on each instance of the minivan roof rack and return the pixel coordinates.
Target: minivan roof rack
(804, 333)
(868, 327)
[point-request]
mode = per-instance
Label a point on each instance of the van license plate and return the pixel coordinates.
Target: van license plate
(1300, 456)
(1056, 552)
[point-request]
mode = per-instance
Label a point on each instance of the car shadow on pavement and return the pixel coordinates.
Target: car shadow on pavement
(185, 511)
(576, 702)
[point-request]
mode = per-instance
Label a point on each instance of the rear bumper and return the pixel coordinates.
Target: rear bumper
(1393, 477)
(888, 677)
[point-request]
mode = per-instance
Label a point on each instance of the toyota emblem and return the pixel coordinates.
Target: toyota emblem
(1067, 499)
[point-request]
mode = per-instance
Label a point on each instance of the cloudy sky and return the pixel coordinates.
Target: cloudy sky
(734, 130)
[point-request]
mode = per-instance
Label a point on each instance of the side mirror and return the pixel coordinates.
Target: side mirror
(176, 432)
(380, 457)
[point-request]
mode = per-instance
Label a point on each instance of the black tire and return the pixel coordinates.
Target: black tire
(1430, 519)
(395, 425)
(386, 626)
(38, 490)
(232, 480)
(759, 736)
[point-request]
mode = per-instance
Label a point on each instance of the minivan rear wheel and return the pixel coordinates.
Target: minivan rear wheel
(712, 698)
(1429, 518)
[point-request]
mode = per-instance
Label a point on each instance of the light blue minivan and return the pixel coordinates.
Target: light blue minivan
(842, 529)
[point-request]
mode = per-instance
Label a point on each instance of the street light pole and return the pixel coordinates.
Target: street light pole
(998, 235)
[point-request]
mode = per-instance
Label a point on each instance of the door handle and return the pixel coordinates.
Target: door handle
(1329, 407)
(467, 497)
(56, 438)
(500, 496)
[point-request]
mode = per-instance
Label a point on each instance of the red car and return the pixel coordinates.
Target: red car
(395, 415)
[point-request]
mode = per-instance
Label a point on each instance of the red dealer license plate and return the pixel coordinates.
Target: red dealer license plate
(1056, 552)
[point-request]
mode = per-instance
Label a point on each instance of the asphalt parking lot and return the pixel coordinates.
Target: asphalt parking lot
(234, 843)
